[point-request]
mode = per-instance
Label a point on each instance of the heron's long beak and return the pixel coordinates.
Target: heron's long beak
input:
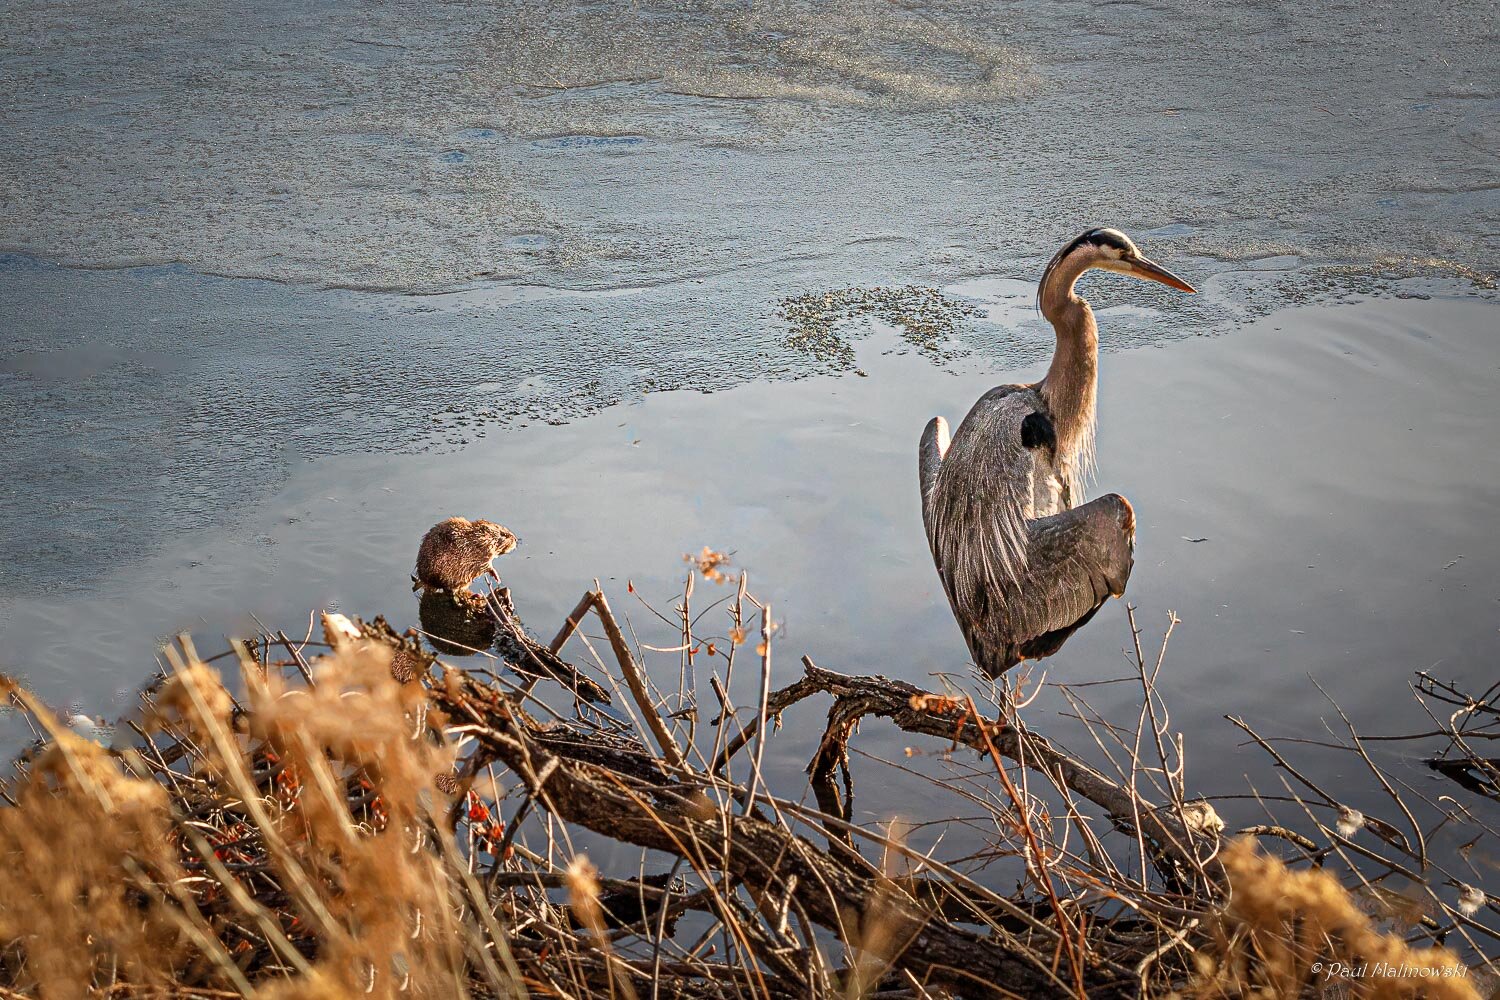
(1150, 270)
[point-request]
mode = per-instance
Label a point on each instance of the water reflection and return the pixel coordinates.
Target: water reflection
(456, 623)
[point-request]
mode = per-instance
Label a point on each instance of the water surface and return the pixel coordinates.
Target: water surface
(1313, 498)
(552, 209)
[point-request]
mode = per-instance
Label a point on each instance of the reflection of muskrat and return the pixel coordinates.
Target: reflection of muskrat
(457, 551)
(456, 623)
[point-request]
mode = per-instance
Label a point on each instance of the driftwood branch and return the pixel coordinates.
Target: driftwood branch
(528, 656)
(635, 680)
(491, 852)
(907, 706)
(767, 858)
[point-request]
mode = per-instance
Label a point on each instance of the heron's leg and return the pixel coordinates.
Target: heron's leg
(1005, 704)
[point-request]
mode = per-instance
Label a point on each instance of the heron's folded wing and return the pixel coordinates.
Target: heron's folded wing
(1077, 560)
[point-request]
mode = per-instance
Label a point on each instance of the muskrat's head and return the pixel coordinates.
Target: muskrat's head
(499, 536)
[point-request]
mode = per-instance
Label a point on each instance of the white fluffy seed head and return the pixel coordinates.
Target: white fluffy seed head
(1351, 821)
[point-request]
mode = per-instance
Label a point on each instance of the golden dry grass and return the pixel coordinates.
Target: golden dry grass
(1287, 933)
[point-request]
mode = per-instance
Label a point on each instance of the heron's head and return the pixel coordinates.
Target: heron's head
(1109, 250)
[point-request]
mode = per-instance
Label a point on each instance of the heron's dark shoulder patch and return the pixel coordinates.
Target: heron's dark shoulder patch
(1037, 432)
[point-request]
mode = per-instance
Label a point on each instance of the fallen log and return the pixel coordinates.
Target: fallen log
(529, 657)
(770, 860)
(1182, 855)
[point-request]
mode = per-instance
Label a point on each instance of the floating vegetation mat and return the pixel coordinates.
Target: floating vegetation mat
(350, 816)
(926, 318)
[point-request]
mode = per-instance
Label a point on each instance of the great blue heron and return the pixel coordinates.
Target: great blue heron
(1022, 566)
(456, 552)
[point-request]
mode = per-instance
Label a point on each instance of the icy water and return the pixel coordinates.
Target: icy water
(282, 286)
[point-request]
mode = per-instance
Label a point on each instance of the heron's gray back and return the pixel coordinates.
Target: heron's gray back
(981, 497)
(978, 492)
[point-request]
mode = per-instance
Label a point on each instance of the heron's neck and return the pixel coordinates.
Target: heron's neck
(1072, 380)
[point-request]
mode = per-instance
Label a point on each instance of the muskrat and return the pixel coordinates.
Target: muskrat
(456, 552)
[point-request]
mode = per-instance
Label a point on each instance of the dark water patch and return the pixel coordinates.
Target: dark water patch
(604, 143)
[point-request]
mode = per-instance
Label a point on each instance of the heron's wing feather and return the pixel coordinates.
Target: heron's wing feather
(1078, 559)
(982, 497)
(930, 452)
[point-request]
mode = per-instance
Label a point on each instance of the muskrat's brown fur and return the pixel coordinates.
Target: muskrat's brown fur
(457, 551)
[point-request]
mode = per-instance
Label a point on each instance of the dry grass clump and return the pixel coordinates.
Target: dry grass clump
(296, 835)
(1286, 933)
(358, 848)
(80, 843)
